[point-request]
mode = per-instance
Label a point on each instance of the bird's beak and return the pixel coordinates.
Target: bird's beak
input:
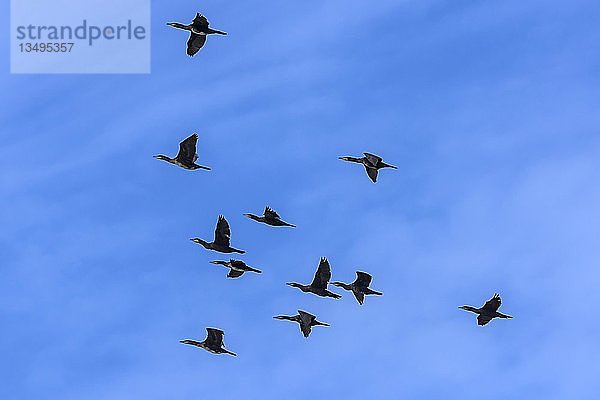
(289, 284)
(195, 240)
(155, 156)
(214, 262)
(246, 215)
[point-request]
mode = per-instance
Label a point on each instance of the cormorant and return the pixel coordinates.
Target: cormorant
(212, 343)
(198, 31)
(489, 310)
(222, 238)
(269, 217)
(371, 162)
(306, 321)
(236, 268)
(360, 287)
(320, 281)
(186, 158)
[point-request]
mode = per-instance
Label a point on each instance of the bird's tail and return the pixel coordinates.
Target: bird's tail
(231, 353)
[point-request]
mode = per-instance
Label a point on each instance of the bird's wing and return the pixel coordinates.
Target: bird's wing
(493, 304)
(187, 149)
(373, 159)
(360, 296)
(200, 20)
(215, 336)
(483, 319)
(372, 172)
(305, 328)
(362, 279)
(306, 320)
(195, 43)
(222, 232)
(237, 264)
(270, 213)
(234, 273)
(306, 317)
(323, 275)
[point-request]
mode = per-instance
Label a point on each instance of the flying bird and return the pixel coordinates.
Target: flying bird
(212, 343)
(306, 321)
(269, 217)
(489, 310)
(222, 239)
(360, 287)
(187, 156)
(198, 29)
(371, 162)
(320, 281)
(236, 267)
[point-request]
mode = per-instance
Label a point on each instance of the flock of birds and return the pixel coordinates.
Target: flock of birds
(186, 158)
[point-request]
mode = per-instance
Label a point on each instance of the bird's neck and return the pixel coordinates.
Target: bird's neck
(342, 285)
(225, 263)
(204, 243)
(178, 25)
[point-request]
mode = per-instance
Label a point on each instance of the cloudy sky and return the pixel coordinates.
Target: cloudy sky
(490, 111)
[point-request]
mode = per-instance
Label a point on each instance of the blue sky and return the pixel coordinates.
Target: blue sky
(490, 111)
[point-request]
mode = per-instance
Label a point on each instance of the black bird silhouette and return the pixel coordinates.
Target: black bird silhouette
(198, 29)
(306, 321)
(320, 281)
(222, 239)
(212, 343)
(236, 267)
(269, 217)
(371, 162)
(360, 287)
(489, 310)
(186, 158)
